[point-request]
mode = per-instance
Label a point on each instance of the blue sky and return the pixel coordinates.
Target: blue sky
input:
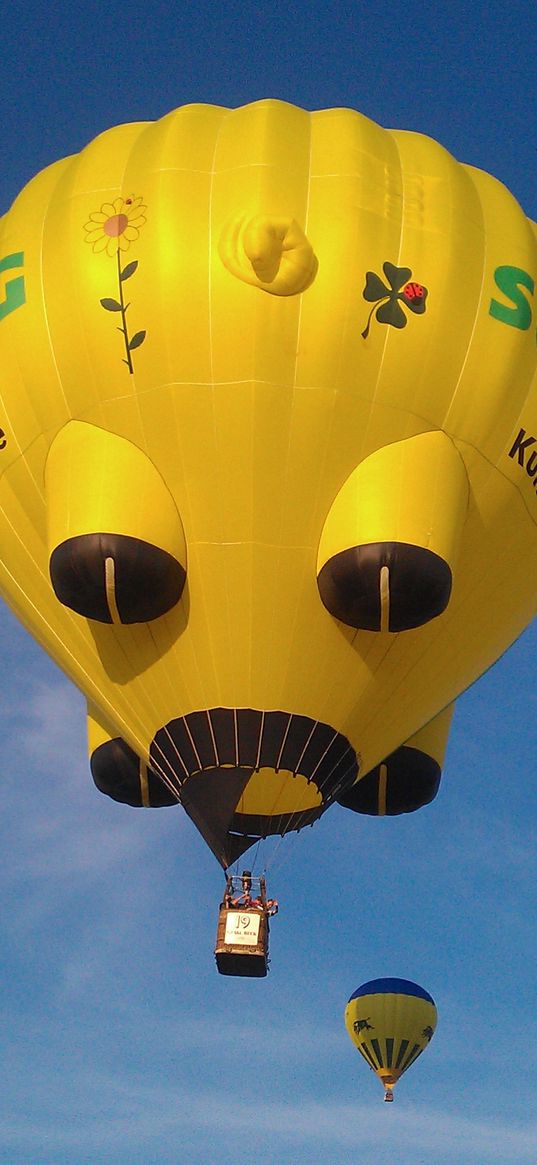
(120, 1042)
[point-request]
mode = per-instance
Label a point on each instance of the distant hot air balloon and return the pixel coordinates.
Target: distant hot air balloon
(391, 1022)
(268, 454)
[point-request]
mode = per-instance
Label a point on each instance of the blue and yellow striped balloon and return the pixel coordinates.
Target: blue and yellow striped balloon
(391, 1022)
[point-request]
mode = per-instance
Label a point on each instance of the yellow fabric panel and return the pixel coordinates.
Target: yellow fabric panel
(98, 732)
(353, 216)
(433, 738)
(517, 461)
(273, 793)
(441, 240)
(413, 491)
(97, 482)
(260, 167)
(498, 354)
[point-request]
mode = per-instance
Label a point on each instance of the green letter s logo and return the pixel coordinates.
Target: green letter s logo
(15, 294)
(510, 280)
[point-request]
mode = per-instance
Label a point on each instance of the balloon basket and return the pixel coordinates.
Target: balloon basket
(242, 936)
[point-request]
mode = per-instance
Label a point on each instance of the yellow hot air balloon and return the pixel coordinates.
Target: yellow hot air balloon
(268, 464)
(391, 1022)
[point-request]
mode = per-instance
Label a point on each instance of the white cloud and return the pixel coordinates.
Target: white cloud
(72, 852)
(136, 1112)
(65, 829)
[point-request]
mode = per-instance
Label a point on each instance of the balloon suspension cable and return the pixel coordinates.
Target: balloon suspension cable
(255, 854)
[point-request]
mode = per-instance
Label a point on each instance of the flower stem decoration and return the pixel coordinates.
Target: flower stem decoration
(387, 300)
(112, 229)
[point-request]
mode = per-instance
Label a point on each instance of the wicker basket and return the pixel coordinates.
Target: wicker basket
(242, 941)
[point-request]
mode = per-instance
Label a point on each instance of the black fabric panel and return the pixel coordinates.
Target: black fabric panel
(329, 761)
(317, 745)
(277, 739)
(115, 769)
(209, 799)
(413, 1055)
(204, 741)
(363, 1048)
(364, 795)
(224, 732)
(413, 780)
(401, 1053)
(295, 743)
(236, 845)
(213, 795)
(148, 580)
(263, 826)
(249, 726)
(173, 752)
(274, 729)
(420, 585)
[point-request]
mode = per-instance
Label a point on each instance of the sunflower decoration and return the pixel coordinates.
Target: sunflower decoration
(111, 230)
(387, 299)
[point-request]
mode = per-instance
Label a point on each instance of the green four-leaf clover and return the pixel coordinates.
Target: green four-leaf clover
(387, 300)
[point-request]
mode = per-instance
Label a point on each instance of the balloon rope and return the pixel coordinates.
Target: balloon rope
(279, 791)
(256, 769)
(163, 772)
(301, 809)
(261, 731)
(281, 828)
(213, 740)
(284, 827)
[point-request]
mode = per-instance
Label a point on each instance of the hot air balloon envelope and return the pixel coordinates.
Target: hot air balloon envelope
(267, 471)
(390, 1022)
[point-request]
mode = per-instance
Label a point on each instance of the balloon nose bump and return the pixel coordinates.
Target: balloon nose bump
(270, 252)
